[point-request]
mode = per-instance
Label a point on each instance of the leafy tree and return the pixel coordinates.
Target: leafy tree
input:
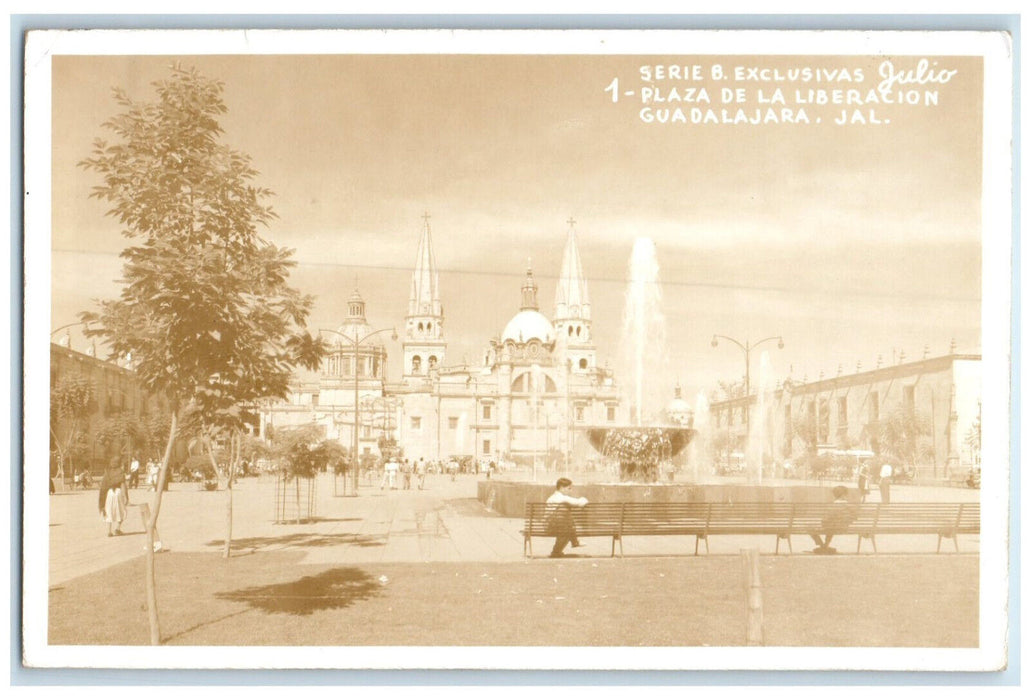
(728, 390)
(205, 310)
(336, 456)
(301, 454)
(252, 449)
(154, 430)
(71, 401)
(125, 432)
(805, 430)
(904, 436)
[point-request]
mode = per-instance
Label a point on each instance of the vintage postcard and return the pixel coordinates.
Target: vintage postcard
(517, 350)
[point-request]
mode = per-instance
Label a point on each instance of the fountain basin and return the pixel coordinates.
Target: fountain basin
(640, 450)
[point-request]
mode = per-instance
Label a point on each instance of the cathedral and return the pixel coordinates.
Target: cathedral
(529, 397)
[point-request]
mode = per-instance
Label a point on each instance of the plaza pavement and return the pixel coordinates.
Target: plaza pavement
(443, 523)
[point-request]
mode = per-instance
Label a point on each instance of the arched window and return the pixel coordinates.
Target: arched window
(583, 363)
(578, 331)
(433, 361)
(570, 331)
(420, 326)
(416, 364)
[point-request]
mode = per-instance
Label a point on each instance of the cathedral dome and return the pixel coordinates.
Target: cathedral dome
(527, 325)
(355, 330)
(679, 406)
(678, 410)
(355, 327)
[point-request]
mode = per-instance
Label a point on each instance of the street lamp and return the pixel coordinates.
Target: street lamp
(747, 348)
(356, 343)
(69, 325)
(57, 330)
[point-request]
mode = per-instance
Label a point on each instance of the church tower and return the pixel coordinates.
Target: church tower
(572, 317)
(424, 345)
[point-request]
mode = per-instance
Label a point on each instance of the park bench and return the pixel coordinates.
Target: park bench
(781, 520)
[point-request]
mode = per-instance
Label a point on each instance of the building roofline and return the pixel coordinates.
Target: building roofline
(916, 367)
(83, 357)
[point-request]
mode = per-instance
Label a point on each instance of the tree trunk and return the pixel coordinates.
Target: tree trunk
(150, 522)
(234, 457)
(297, 496)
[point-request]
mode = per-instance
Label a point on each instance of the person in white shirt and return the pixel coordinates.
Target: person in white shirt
(420, 471)
(885, 483)
(560, 516)
(134, 473)
(391, 472)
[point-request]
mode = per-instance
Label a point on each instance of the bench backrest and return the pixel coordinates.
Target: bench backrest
(704, 517)
(594, 518)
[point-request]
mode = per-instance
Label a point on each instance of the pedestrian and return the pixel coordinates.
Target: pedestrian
(835, 522)
(134, 473)
(452, 468)
(885, 483)
(406, 473)
(390, 473)
(113, 500)
(420, 470)
(560, 516)
(152, 476)
(863, 482)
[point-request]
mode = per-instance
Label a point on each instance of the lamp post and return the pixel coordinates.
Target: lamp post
(70, 325)
(356, 343)
(747, 348)
(57, 330)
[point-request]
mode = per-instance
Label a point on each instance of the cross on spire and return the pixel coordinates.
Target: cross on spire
(571, 221)
(426, 217)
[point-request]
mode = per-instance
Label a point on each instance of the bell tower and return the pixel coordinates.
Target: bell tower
(424, 345)
(572, 317)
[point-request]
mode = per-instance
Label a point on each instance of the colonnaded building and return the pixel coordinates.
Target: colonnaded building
(535, 388)
(929, 408)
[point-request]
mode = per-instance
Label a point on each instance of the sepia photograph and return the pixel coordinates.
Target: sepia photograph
(555, 349)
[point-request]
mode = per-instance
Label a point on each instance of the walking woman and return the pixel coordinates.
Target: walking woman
(114, 500)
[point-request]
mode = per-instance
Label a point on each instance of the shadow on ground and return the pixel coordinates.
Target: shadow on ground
(330, 590)
(303, 539)
(470, 507)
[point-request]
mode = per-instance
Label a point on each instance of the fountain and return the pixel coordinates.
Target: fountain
(701, 446)
(640, 448)
(759, 447)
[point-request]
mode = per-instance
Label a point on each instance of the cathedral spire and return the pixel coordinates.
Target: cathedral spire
(573, 310)
(571, 299)
(424, 299)
(424, 344)
(529, 290)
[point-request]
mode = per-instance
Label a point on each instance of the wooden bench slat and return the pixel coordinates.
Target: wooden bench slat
(702, 519)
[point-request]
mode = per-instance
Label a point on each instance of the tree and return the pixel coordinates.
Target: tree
(302, 454)
(125, 432)
(205, 309)
(903, 435)
(728, 390)
(71, 401)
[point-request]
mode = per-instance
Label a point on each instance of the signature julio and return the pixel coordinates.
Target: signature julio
(923, 74)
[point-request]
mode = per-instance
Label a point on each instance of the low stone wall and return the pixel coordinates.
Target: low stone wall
(509, 498)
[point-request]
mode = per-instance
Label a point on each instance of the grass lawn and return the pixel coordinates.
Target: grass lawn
(272, 598)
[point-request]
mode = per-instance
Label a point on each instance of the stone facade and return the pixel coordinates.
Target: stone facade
(844, 412)
(530, 395)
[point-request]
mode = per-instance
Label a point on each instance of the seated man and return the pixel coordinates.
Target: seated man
(840, 517)
(560, 516)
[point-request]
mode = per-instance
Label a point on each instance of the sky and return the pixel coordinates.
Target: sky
(848, 241)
